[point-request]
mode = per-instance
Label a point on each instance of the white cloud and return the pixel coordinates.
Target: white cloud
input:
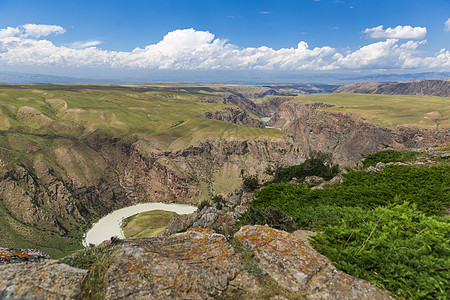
(399, 32)
(189, 49)
(9, 32)
(38, 30)
(265, 12)
(447, 25)
(82, 45)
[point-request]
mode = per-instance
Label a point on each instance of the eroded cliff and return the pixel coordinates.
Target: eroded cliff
(347, 137)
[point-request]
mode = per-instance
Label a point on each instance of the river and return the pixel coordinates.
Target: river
(109, 225)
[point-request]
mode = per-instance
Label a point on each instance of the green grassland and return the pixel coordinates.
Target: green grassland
(147, 224)
(172, 118)
(44, 127)
(389, 110)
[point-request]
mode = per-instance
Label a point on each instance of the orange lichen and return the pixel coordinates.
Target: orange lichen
(6, 254)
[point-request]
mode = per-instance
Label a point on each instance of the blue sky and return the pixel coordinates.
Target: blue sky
(140, 38)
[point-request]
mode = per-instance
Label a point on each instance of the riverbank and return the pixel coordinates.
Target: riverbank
(110, 225)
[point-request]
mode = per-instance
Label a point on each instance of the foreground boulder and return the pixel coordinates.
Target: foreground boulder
(40, 280)
(10, 255)
(296, 266)
(198, 264)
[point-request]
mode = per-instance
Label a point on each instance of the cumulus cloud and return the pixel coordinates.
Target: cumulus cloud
(38, 30)
(31, 30)
(399, 32)
(189, 49)
(447, 25)
(9, 32)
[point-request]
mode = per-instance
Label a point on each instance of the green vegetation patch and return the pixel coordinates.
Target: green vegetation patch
(398, 248)
(97, 260)
(385, 227)
(318, 164)
(389, 110)
(167, 116)
(426, 187)
(147, 224)
(387, 156)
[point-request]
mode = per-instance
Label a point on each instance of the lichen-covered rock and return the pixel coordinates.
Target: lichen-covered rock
(296, 266)
(40, 280)
(197, 264)
(9, 255)
(217, 213)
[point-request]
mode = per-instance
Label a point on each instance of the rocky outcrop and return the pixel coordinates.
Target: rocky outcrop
(270, 105)
(234, 115)
(9, 255)
(430, 87)
(197, 264)
(243, 103)
(56, 194)
(344, 136)
(40, 280)
(219, 212)
(296, 266)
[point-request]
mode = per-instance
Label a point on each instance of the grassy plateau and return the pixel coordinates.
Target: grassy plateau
(389, 110)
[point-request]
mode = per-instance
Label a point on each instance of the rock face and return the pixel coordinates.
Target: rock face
(40, 280)
(431, 87)
(8, 255)
(348, 139)
(218, 212)
(81, 179)
(295, 265)
(234, 115)
(198, 264)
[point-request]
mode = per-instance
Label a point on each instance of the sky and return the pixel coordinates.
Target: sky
(197, 40)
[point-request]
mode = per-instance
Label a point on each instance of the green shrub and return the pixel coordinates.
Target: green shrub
(218, 201)
(203, 204)
(319, 164)
(97, 260)
(428, 188)
(249, 182)
(85, 258)
(271, 216)
(387, 156)
(318, 217)
(397, 248)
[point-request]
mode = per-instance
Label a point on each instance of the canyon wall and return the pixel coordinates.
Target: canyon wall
(348, 138)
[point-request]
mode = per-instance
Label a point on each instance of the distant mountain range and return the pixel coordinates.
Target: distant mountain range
(430, 87)
(206, 77)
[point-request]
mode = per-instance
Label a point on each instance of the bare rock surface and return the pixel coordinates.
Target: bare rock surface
(40, 280)
(197, 264)
(348, 138)
(309, 180)
(234, 115)
(295, 265)
(10, 255)
(218, 212)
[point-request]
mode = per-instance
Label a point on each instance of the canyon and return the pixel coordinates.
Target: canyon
(68, 156)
